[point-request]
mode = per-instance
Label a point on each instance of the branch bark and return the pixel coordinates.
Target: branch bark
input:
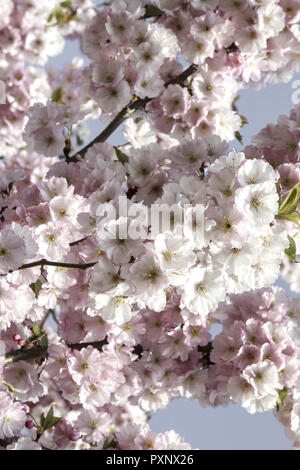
(45, 262)
(41, 352)
(130, 109)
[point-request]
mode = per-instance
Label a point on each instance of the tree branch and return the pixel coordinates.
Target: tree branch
(139, 103)
(45, 262)
(206, 352)
(37, 352)
(41, 352)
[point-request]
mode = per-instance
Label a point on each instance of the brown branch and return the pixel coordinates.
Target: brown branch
(133, 106)
(41, 352)
(77, 242)
(206, 352)
(46, 316)
(45, 262)
(37, 352)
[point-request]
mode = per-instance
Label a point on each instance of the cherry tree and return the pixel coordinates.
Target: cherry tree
(106, 311)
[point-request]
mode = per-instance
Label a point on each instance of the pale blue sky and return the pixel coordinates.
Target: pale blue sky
(230, 427)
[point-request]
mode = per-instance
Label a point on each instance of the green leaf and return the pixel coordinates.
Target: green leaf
(278, 192)
(50, 17)
(235, 99)
(66, 4)
(295, 217)
(282, 394)
(61, 15)
(44, 341)
(57, 95)
(10, 387)
(189, 85)
(55, 14)
(151, 10)
(291, 250)
(109, 444)
(42, 420)
(36, 329)
(290, 203)
(49, 417)
(122, 157)
(239, 137)
(54, 421)
(49, 420)
(244, 120)
(36, 287)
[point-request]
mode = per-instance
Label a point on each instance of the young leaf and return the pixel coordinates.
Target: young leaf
(238, 137)
(66, 4)
(291, 250)
(57, 95)
(244, 120)
(56, 14)
(49, 420)
(294, 217)
(290, 203)
(278, 192)
(36, 287)
(36, 329)
(50, 17)
(151, 10)
(122, 157)
(282, 394)
(42, 420)
(54, 421)
(109, 444)
(235, 99)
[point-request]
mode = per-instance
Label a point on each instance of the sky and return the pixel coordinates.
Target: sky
(231, 427)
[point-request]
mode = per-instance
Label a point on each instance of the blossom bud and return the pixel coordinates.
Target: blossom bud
(29, 424)
(74, 436)
(25, 408)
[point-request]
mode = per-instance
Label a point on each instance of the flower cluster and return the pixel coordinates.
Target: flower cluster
(255, 356)
(233, 44)
(30, 33)
(279, 145)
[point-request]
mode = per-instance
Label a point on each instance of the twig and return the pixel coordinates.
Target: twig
(54, 316)
(45, 262)
(77, 242)
(41, 352)
(133, 106)
(49, 312)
